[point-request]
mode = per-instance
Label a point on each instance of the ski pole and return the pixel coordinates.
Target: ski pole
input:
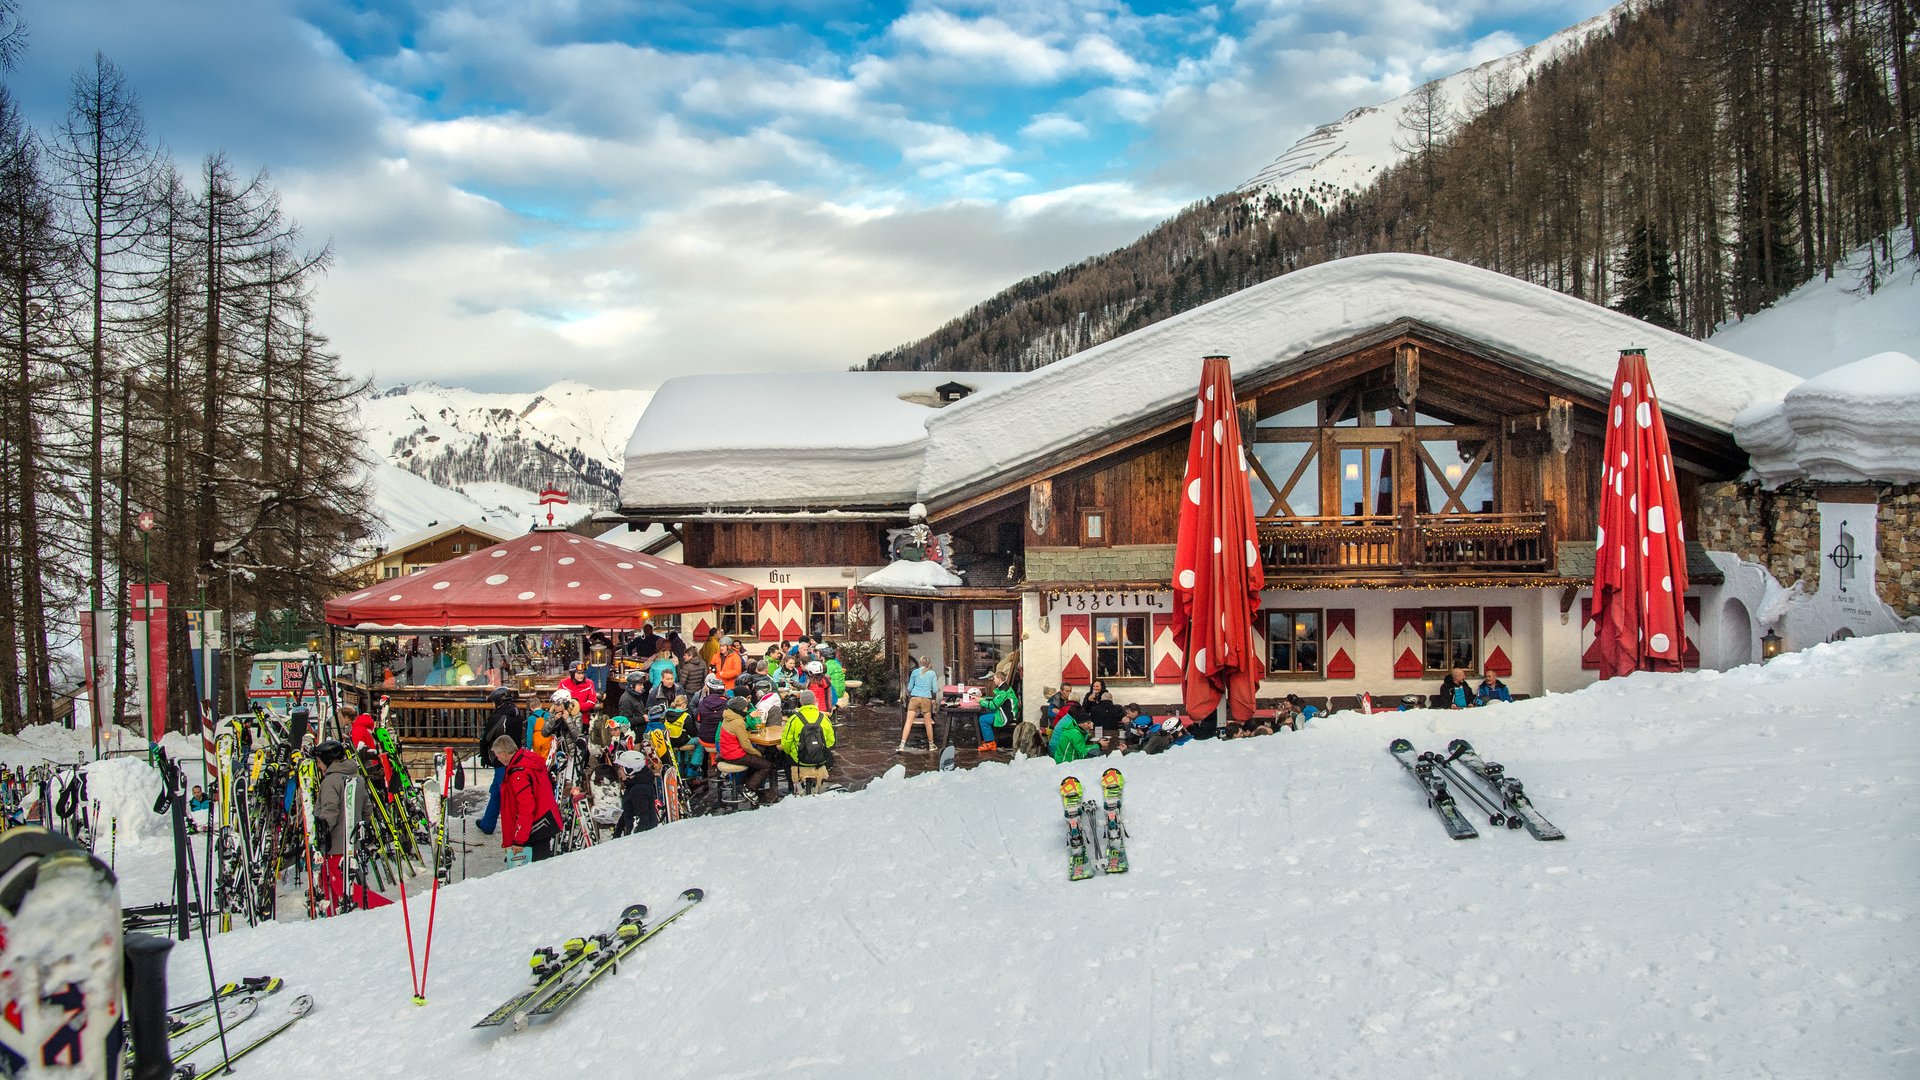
(1494, 815)
(406, 920)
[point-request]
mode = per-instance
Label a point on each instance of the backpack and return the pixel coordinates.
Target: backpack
(811, 747)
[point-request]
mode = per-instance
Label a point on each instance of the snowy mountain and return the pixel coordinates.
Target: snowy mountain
(451, 454)
(1734, 898)
(1335, 160)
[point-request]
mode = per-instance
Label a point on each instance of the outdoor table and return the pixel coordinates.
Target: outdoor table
(948, 712)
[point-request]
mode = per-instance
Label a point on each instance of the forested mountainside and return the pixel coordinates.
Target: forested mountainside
(1690, 163)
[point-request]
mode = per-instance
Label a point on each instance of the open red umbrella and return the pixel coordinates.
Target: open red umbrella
(1217, 576)
(549, 577)
(1640, 551)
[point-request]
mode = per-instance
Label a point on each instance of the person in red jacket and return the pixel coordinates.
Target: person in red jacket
(585, 694)
(363, 736)
(529, 815)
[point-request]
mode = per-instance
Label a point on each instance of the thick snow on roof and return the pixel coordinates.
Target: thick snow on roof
(1854, 423)
(795, 438)
(1269, 326)
(901, 575)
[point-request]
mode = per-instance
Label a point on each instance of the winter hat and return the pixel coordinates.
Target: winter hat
(739, 705)
(503, 745)
(714, 683)
(726, 639)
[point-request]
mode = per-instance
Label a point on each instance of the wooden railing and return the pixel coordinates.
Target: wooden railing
(1409, 543)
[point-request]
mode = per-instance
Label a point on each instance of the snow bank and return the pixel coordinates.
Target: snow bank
(1825, 323)
(38, 744)
(126, 788)
(1857, 422)
(1736, 898)
(1268, 328)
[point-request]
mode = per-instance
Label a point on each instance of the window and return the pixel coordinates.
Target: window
(1366, 481)
(1293, 641)
(1120, 647)
(1457, 477)
(827, 612)
(391, 572)
(993, 639)
(1093, 529)
(738, 619)
(1450, 638)
(456, 547)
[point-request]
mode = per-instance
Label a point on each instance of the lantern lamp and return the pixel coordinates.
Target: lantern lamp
(1770, 645)
(351, 654)
(313, 643)
(601, 656)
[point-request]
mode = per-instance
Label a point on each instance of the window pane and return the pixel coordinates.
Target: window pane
(1279, 460)
(1476, 498)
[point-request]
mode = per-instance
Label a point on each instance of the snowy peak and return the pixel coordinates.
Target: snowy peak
(1334, 161)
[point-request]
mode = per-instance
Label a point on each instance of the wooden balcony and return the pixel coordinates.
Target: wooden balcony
(1408, 544)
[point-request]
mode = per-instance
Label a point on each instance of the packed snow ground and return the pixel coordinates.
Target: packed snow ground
(1736, 897)
(1826, 323)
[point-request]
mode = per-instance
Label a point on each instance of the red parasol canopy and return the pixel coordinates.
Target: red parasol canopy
(547, 578)
(1217, 575)
(1640, 554)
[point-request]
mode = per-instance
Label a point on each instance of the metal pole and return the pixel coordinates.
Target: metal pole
(146, 556)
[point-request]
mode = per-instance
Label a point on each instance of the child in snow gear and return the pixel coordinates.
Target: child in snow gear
(1000, 707)
(334, 824)
(638, 806)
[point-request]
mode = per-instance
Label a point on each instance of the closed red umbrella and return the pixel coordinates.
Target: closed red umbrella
(547, 578)
(1217, 576)
(1640, 550)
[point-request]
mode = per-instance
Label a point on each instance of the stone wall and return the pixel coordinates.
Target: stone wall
(1780, 530)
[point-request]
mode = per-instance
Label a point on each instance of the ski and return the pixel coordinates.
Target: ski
(1078, 866)
(258, 984)
(232, 1014)
(1111, 786)
(61, 982)
(630, 936)
(1512, 794)
(550, 968)
(1462, 785)
(296, 1009)
(1458, 827)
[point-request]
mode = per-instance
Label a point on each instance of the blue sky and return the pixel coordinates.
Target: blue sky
(615, 191)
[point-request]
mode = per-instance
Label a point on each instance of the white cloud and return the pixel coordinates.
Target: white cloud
(1048, 127)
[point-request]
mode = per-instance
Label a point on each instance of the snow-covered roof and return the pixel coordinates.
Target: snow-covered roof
(436, 531)
(1270, 327)
(1855, 423)
(786, 439)
(922, 578)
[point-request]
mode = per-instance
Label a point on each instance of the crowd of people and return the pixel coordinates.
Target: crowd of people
(679, 725)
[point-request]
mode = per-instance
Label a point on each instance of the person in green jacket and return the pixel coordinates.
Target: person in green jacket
(836, 679)
(999, 708)
(1073, 741)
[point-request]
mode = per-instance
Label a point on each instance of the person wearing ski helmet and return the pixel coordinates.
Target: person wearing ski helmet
(503, 722)
(639, 807)
(581, 688)
(334, 822)
(633, 700)
(707, 714)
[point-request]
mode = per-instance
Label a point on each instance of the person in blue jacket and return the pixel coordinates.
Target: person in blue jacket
(1491, 690)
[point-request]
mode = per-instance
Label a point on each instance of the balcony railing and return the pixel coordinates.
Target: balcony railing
(1407, 544)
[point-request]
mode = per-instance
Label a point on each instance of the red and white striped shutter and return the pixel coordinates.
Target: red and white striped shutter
(1586, 633)
(1690, 648)
(1165, 657)
(1496, 641)
(766, 614)
(793, 614)
(1339, 644)
(1076, 650)
(1408, 642)
(703, 624)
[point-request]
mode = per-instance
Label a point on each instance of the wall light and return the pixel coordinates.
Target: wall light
(1770, 645)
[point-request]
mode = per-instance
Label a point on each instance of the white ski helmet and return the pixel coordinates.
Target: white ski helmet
(630, 760)
(815, 667)
(562, 696)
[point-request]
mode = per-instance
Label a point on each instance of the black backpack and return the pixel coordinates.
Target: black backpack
(811, 748)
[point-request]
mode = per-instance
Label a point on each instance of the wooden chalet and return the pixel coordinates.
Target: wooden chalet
(1425, 444)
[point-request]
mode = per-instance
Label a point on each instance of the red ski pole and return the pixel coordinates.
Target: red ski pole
(433, 904)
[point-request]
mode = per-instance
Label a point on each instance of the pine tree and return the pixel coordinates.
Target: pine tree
(1645, 273)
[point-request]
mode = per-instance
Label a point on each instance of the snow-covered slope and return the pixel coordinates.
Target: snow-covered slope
(1827, 323)
(1736, 897)
(569, 434)
(1335, 160)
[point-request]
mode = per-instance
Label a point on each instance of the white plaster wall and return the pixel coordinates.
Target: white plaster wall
(796, 577)
(1534, 635)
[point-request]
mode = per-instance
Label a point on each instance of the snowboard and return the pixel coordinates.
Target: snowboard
(60, 958)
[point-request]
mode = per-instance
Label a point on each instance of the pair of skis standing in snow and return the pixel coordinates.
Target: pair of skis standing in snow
(1109, 841)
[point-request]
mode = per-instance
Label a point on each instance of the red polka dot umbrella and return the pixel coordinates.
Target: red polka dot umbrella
(1640, 555)
(547, 578)
(1217, 575)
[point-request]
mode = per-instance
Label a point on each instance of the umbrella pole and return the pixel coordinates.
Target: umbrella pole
(1221, 717)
